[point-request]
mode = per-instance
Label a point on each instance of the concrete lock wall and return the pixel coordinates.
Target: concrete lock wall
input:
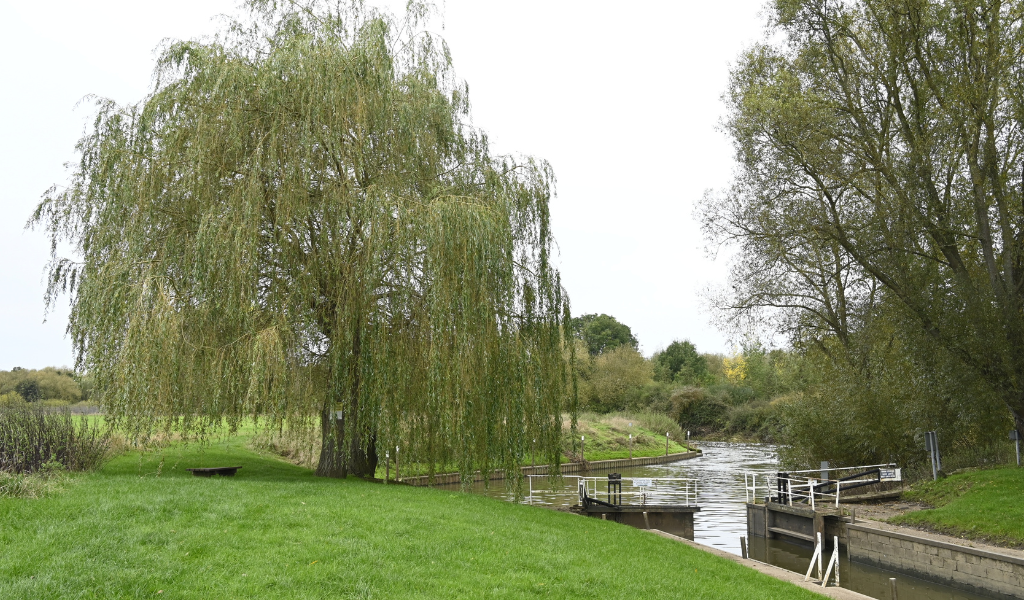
(961, 567)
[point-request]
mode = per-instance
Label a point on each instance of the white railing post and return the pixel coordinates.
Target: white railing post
(810, 491)
(832, 562)
(815, 557)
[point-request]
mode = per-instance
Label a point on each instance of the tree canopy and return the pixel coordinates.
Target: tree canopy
(602, 333)
(680, 362)
(879, 196)
(299, 222)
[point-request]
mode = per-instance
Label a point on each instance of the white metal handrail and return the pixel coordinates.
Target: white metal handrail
(802, 489)
(750, 486)
(652, 491)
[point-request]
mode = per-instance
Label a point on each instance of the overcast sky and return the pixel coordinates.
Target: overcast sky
(622, 98)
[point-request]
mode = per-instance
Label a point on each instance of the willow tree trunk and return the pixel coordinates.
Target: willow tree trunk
(364, 462)
(332, 435)
(338, 459)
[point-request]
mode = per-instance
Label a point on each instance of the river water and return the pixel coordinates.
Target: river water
(723, 519)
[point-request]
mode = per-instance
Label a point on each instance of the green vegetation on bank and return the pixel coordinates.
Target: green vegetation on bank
(143, 527)
(712, 395)
(607, 436)
(978, 504)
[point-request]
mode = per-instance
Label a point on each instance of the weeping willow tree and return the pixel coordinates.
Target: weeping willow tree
(299, 225)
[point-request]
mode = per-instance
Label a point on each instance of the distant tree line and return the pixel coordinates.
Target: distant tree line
(50, 385)
(708, 394)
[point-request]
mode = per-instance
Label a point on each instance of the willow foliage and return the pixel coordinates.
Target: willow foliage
(300, 223)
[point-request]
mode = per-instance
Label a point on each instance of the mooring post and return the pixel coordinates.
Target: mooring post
(743, 546)
(631, 449)
(646, 522)
(892, 587)
(666, 443)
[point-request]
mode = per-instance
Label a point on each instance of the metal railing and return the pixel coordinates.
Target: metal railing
(645, 491)
(803, 487)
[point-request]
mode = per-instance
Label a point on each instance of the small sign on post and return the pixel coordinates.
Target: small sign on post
(890, 475)
(643, 481)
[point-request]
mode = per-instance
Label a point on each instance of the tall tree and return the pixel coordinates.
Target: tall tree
(603, 332)
(881, 159)
(299, 223)
(681, 362)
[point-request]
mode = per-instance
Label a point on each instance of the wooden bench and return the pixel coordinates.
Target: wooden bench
(211, 471)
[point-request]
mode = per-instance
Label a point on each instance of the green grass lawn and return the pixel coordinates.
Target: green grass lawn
(276, 531)
(985, 504)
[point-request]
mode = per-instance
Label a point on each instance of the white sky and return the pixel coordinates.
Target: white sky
(622, 98)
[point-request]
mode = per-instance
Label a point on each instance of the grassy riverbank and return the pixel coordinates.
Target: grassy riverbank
(607, 436)
(141, 529)
(977, 504)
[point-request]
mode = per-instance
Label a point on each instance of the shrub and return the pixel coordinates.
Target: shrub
(11, 399)
(697, 410)
(34, 438)
(758, 418)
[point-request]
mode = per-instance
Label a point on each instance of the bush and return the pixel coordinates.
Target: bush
(697, 410)
(11, 399)
(759, 419)
(34, 438)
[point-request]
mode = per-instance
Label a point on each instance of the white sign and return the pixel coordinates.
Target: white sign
(890, 475)
(643, 482)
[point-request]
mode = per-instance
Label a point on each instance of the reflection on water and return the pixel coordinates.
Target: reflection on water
(723, 519)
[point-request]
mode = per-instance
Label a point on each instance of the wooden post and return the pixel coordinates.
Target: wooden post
(743, 546)
(631, 446)
(397, 476)
(387, 466)
(666, 443)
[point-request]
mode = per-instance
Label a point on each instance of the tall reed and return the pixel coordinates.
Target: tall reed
(34, 438)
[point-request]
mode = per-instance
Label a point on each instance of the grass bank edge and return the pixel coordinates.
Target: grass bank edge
(978, 504)
(135, 527)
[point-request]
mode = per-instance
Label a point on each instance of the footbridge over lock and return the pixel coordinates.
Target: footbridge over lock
(803, 505)
(662, 503)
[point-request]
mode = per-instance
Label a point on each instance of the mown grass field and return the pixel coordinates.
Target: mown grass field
(276, 531)
(983, 504)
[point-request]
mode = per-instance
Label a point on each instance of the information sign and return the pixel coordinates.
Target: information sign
(890, 475)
